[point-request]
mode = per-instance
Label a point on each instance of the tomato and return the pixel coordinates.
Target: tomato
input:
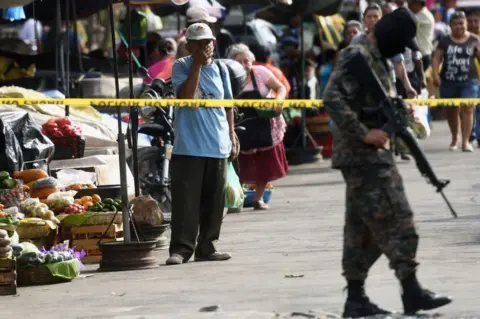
(49, 126)
(63, 121)
(56, 133)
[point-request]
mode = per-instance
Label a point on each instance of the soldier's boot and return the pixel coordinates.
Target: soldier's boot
(416, 298)
(358, 305)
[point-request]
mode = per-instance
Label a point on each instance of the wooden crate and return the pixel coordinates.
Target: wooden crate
(8, 277)
(86, 238)
(91, 232)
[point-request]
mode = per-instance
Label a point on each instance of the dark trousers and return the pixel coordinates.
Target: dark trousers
(198, 197)
(378, 221)
(427, 61)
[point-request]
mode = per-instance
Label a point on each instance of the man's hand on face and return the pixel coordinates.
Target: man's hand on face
(203, 54)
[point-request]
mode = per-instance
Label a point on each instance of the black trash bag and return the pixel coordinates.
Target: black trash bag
(35, 146)
(12, 159)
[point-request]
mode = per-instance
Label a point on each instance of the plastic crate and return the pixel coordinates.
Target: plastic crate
(68, 147)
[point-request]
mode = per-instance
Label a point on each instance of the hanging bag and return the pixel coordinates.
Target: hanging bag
(257, 123)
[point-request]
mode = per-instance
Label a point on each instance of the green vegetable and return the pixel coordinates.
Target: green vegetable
(8, 183)
(4, 175)
(118, 202)
(114, 209)
(108, 201)
(106, 210)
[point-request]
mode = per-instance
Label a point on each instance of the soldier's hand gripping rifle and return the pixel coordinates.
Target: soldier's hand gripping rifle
(393, 112)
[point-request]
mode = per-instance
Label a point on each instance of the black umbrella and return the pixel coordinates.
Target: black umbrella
(280, 13)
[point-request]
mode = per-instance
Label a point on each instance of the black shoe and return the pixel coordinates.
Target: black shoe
(425, 300)
(358, 305)
(415, 298)
(362, 308)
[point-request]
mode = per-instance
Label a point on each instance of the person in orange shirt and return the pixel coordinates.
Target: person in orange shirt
(263, 56)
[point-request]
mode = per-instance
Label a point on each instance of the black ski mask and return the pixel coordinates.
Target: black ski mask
(395, 32)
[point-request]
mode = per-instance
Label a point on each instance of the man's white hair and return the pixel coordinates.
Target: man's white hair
(237, 49)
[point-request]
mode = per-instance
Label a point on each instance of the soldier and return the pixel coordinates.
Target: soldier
(378, 216)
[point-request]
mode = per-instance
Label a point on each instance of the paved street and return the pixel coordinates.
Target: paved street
(301, 236)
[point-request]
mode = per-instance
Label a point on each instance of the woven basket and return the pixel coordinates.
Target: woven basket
(37, 276)
(26, 231)
(104, 218)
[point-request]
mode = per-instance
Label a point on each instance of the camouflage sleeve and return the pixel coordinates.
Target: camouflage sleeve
(340, 92)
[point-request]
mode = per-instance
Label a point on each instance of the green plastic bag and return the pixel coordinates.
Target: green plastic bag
(233, 189)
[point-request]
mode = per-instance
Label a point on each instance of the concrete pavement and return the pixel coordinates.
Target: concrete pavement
(300, 235)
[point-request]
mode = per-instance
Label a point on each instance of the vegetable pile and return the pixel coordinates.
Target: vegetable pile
(73, 209)
(30, 256)
(107, 205)
(6, 182)
(32, 207)
(60, 127)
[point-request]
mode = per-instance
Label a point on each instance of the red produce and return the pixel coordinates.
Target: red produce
(56, 133)
(63, 121)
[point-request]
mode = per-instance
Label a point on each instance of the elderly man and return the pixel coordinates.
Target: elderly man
(194, 15)
(203, 143)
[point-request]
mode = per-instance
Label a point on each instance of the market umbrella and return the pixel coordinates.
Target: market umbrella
(280, 13)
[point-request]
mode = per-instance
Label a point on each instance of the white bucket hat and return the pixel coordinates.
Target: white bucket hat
(199, 31)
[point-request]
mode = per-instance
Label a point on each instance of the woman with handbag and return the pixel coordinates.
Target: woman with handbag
(262, 156)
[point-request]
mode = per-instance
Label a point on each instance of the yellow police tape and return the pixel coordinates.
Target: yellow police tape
(261, 104)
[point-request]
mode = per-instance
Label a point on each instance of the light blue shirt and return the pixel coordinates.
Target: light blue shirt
(202, 132)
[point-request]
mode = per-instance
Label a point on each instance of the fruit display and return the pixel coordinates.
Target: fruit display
(32, 207)
(6, 182)
(59, 201)
(74, 209)
(30, 175)
(77, 187)
(107, 205)
(60, 127)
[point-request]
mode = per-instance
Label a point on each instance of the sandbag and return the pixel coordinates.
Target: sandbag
(146, 211)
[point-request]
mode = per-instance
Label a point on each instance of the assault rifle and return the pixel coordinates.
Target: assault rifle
(393, 113)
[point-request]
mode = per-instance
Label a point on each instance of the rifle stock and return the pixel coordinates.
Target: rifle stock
(393, 113)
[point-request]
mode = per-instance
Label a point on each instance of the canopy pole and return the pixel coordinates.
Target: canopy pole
(115, 60)
(133, 110)
(67, 62)
(121, 136)
(60, 49)
(75, 29)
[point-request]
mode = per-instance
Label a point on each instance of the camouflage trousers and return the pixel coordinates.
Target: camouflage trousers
(378, 221)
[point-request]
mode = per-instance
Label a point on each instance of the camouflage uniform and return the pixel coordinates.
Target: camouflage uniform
(378, 216)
